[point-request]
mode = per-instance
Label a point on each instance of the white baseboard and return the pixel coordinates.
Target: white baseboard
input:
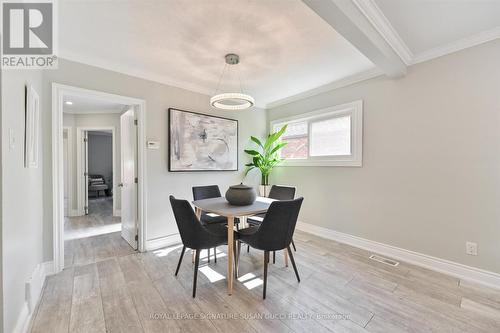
(73, 212)
(158, 243)
(455, 269)
(33, 290)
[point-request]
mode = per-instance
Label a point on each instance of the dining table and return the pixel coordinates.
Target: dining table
(222, 207)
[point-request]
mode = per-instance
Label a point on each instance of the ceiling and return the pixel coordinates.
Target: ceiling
(424, 24)
(284, 47)
(288, 48)
(90, 105)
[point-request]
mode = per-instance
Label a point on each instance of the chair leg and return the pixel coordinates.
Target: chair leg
(208, 250)
(196, 263)
(274, 257)
(236, 251)
(248, 248)
(180, 260)
(266, 261)
(215, 254)
(294, 248)
(293, 263)
(238, 259)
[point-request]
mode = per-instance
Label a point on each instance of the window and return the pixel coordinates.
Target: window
(328, 137)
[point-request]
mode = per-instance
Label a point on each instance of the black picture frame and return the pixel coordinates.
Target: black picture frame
(169, 157)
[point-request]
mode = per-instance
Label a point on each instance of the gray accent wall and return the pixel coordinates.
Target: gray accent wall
(430, 179)
(100, 161)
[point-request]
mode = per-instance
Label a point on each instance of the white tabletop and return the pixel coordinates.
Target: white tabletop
(220, 206)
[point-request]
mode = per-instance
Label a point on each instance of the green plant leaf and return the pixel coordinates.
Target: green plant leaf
(278, 147)
(251, 152)
(248, 170)
(257, 141)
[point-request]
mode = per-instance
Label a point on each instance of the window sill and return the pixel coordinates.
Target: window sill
(321, 163)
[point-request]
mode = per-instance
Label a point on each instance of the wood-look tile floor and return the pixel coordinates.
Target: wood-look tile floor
(100, 220)
(95, 236)
(341, 290)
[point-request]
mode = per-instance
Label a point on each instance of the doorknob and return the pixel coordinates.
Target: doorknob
(120, 185)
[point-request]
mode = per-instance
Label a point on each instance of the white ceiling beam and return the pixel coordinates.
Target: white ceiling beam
(347, 18)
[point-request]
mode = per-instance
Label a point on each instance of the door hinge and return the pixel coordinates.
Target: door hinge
(85, 174)
(85, 140)
(136, 180)
(136, 122)
(136, 238)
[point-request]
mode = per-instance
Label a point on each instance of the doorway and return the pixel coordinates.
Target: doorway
(102, 134)
(97, 210)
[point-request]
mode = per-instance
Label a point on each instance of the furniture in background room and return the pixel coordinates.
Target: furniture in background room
(98, 184)
(273, 234)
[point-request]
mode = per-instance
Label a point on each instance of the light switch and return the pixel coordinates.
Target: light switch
(153, 145)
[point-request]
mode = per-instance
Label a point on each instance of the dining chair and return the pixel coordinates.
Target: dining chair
(273, 234)
(208, 192)
(277, 192)
(194, 234)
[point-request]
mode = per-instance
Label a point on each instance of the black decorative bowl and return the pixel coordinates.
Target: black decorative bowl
(241, 195)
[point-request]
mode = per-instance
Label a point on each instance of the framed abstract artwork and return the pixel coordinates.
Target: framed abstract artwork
(31, 134)
(201, 142)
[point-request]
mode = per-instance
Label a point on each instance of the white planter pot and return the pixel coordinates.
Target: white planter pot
(264, 190)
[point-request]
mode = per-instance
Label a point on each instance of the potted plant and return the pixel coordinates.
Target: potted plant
(266, 157)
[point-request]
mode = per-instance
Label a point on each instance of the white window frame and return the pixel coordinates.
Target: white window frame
(354, 110)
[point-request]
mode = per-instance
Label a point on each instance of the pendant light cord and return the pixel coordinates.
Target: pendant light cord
(220, 78)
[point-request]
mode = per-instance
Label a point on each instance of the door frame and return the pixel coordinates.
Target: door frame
(71, 210)
(79, 164)
(59, 91)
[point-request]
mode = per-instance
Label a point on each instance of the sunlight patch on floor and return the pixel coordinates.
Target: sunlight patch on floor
(250, 281)
(211, 275)
(166, 251)
(92, 231)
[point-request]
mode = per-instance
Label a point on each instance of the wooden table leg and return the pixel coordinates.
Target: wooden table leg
(230, 254)
(198, 215)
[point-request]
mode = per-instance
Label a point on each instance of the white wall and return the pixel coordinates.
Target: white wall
(97, 120)
(22, 208)
(160, 182)
(430, 179)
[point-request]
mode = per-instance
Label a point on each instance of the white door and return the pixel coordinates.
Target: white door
(86, 171)
(66, 173)
(128, 185)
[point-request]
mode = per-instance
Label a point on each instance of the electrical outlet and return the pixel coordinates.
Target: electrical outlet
(471, 248)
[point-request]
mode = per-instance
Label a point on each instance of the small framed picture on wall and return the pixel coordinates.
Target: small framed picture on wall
(32, 127)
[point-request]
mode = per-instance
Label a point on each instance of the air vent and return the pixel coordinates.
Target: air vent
(383, 260)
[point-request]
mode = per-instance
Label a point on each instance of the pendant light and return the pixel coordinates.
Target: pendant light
(231, 100)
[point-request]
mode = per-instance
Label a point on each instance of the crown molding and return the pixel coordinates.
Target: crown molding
(145, 75)
(461, 44)
(380, 22)
(383, 26)
(123, 69)
(362, 76)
